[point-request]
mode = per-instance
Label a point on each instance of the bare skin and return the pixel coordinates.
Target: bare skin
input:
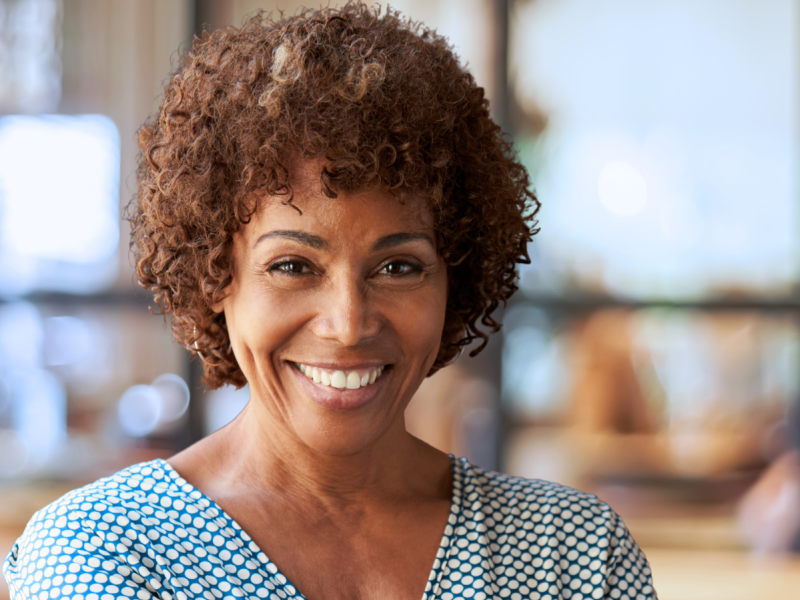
(328, 483)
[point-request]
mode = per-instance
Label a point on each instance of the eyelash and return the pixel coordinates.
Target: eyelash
(414, 267)
(283, 267)
(280, 267)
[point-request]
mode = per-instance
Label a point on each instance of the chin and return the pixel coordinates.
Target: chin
(345, 422)
(335, 437)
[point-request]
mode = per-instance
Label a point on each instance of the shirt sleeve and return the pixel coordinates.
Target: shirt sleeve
(628, 575)
(58, 557)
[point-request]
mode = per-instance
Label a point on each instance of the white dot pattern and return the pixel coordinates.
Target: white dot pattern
(146, 533)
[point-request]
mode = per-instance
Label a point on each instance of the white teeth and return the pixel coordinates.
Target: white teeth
(353, 381)
(340, 379)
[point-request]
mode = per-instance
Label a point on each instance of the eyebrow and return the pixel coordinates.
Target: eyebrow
(397, 239)
(307, 239)
(317, 243)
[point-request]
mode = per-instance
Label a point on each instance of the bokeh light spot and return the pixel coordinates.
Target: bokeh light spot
(622, 189)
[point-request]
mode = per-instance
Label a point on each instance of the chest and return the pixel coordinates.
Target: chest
(386, 554)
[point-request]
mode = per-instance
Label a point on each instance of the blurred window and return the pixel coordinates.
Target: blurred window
(59, 182)
(655, 347)
(665, 166)
(30, 55)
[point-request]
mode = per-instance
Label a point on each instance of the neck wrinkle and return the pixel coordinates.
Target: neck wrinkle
(274, 462)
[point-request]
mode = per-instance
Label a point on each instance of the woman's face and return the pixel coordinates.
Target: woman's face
(335, 312)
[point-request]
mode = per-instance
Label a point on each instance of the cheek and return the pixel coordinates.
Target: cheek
(266, 320)
(420, 321)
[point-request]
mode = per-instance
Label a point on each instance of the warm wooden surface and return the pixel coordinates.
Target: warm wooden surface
(723, 575)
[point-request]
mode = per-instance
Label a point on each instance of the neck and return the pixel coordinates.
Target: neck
(254, 454)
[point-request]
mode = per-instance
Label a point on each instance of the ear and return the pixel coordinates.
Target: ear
(219, 305)
(222, 297)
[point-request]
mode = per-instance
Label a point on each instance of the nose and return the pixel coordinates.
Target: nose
(346, 314)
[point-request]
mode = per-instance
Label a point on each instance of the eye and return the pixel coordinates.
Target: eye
(400, 268)
(290, 267)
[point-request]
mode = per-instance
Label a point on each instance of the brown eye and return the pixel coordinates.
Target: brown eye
(291, 267)
(399, 268)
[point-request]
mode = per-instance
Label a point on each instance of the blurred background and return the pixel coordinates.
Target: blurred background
(652, 355)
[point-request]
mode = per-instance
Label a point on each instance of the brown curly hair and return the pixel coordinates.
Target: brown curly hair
(383, 101)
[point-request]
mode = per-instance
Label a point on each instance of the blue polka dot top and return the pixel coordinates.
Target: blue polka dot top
(145, 532)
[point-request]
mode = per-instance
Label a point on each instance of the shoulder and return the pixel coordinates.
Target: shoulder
(548, 530)
(141, 533)
(102, 532)
(114, 504)
(509, 499)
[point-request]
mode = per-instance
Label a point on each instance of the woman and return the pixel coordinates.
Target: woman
(326, 212)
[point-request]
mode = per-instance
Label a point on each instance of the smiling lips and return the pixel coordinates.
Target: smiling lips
(352, 380)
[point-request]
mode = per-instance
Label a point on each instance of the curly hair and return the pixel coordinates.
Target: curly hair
(383, 101)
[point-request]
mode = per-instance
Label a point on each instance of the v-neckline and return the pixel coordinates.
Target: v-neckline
(432, 584)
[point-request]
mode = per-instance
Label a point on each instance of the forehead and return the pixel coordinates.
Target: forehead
(365, 213)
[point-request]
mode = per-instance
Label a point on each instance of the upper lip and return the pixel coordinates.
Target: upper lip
(329, 366)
